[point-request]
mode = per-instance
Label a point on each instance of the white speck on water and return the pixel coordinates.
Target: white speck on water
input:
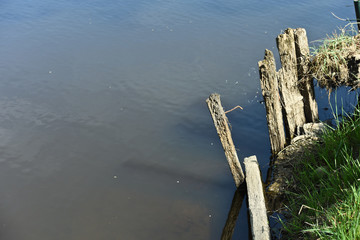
(152, 30)
(115, 177)
(177, 181)
(226, 81)
(109, 86)
(209, 215)
(50, 72)
(237, 82)
(211, 144)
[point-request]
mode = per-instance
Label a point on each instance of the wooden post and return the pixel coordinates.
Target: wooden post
(288, 83)
(270, 92)
(357, 13)
(223, 130)
(236, 204)
(305, 78)
(258, 217)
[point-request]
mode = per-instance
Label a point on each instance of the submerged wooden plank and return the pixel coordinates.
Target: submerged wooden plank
(223, 130)
(257, 210)
(270, 92)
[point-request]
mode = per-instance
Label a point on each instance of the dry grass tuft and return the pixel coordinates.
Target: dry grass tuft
(330, 60)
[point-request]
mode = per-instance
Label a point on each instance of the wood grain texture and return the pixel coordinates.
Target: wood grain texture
(288, 83)
(304, 77)
(222, 127)
(259, 222)
(271, 95)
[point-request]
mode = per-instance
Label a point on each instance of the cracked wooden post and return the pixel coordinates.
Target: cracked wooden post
(305, 78)
(222, 127)
(288, 93)
(259, 222)
(270, 92)
(288, 83)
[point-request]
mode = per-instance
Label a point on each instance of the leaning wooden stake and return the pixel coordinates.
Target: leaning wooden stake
(222, 127)
(258, 218)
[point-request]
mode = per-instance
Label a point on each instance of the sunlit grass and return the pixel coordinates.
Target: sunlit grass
(325, 199)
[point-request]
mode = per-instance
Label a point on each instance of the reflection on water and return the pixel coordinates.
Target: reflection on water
(236, 204)
(104, 130)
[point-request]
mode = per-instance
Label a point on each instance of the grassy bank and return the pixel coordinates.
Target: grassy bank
(324, 200)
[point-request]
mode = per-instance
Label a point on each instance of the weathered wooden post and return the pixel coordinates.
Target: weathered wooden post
(221, 124)
(288, 83)
(357, 12)
(304, 77)
(270, 92)
(288, 93)
(260, 229)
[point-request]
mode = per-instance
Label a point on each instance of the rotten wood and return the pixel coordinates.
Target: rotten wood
(288, 83)
(304, 77)
(259, 222)
(270, 92)
(222, 127)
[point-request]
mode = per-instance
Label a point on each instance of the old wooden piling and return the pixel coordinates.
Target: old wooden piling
(260, 229)
(304, 77)
(222, 127)
(288, 93)
(288, 83)
(270, 92)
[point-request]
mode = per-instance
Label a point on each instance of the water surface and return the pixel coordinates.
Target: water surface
(104, 130)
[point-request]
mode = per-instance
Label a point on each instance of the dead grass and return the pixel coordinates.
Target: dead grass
(330, 59)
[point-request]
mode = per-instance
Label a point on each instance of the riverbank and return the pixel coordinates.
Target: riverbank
(322, 195)
(316, 178)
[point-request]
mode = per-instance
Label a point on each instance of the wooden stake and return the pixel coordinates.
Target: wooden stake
(288, 83)
(223, 130)
(270, 92)
(305, 79)
(258, 217)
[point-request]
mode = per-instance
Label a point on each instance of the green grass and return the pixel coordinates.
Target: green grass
(324, 202)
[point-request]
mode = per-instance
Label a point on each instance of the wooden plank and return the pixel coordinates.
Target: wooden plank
(305, 78)
(258, 217)
(288, 83)
(223, 130)
(270, 92)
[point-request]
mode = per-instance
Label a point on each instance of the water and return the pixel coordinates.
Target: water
(104, 130)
